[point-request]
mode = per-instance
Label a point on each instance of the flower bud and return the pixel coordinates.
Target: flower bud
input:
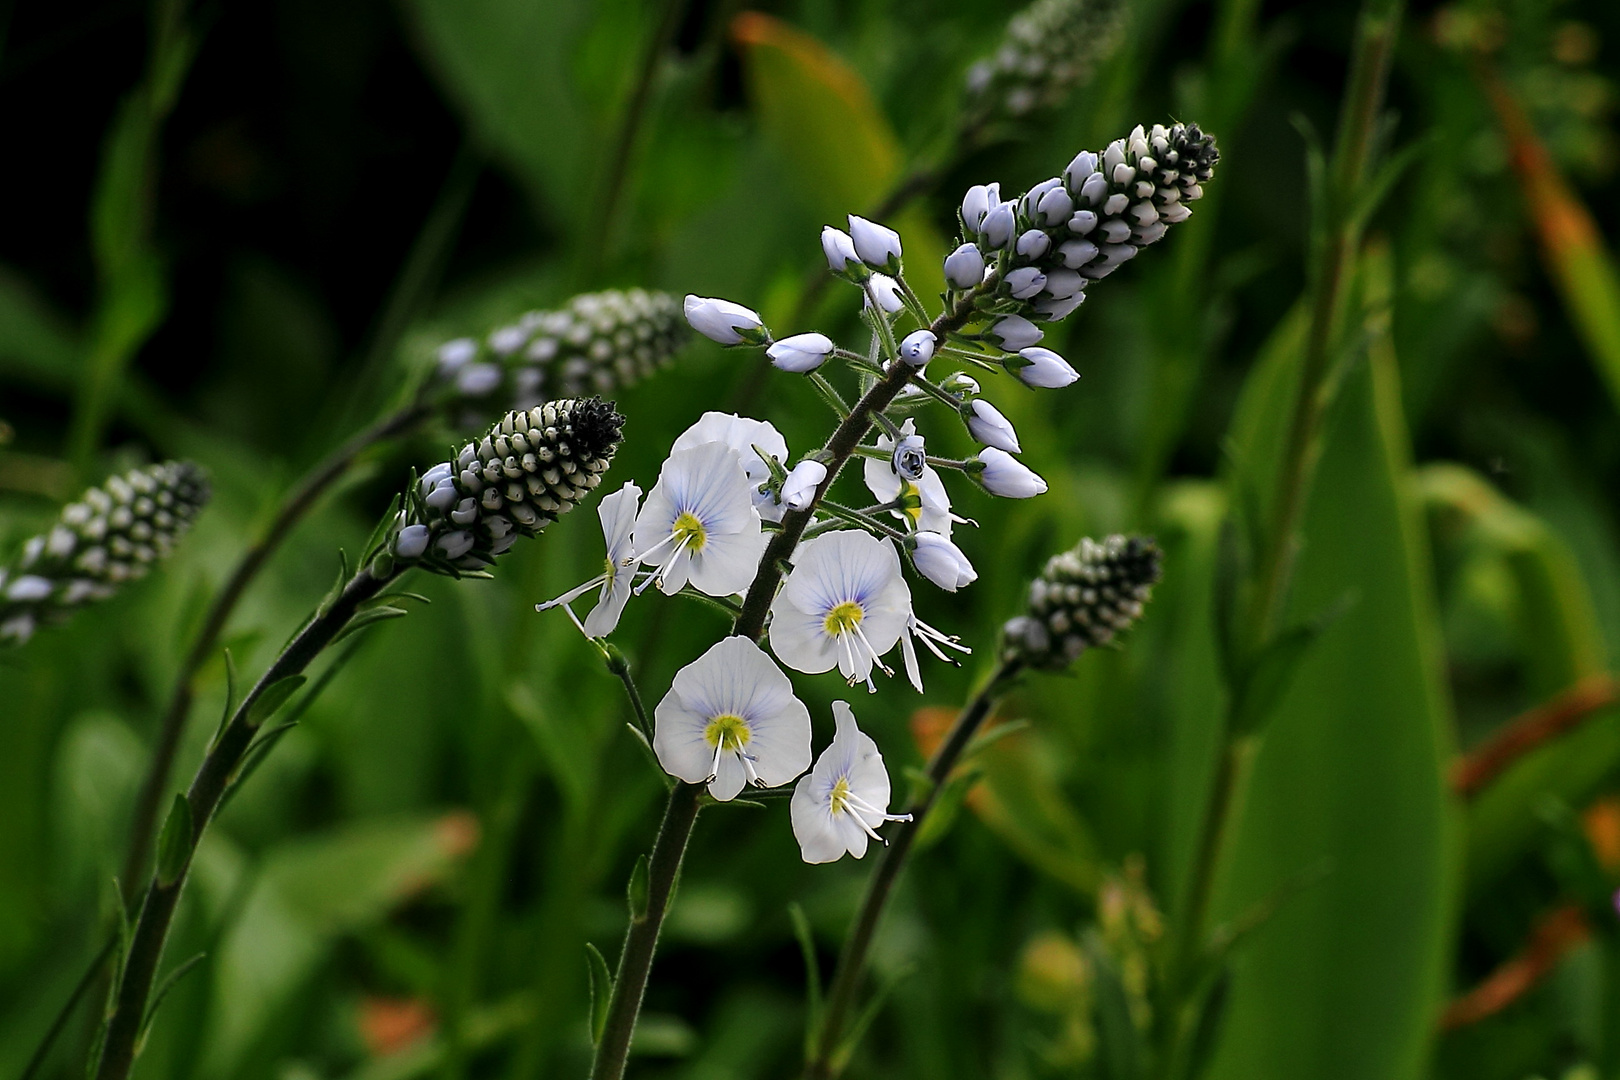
(917, 348)
(986, 424)
(977, 203)
(961, 384)
(526, 472)
(113, 534)
(1044, 369)
(877, 245)
(725, 322)
(1055, 308)
(1025, 282)
(801, 352)
(840, 250)
(1082, 599)
(964, 267)
(1014, 332)
(886, 292)
(910, 456)
(1032, 244)
(1004, 475)
(942, 562)
(800, 486)
(999, 223)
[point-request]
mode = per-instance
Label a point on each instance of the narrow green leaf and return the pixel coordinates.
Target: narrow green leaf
(812, 977)
(366, 619)
(1207, 1028)
(336, 588)
(174, 842)
(601, 991)
(637, 889)
(1119, 1050)
(273, 698)
(1273, 670)
(170, 981)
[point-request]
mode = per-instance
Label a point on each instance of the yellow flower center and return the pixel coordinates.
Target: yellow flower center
(728, 731)
(840, 796)
(689, 532)
(844, 617)
(911, 501)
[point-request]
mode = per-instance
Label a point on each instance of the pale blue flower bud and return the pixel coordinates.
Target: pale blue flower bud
(917, 348)
(724, 321)
(1014, 332)
(1044, 369)
(839, 249)
(801, 352)
(964, 267)
(1006, 476)
(1032, 244)
(1025, 282)
(999, 224)
(886, 292)
(942, 562)
(801, 484)
(877, 245)
(986, 424)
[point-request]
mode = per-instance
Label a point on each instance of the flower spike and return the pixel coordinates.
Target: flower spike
(1082, 599)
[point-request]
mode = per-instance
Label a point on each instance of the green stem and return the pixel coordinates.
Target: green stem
(127, 1017)
(826, 1059)
(641, 936)
(63, 1015)
(151, 801)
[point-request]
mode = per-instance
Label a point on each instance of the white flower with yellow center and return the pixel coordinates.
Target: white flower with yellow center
(840, 804)
(932, 512)
(699, 525)
(748, 437)
(843, 605)
(618, 514)
(730, 719)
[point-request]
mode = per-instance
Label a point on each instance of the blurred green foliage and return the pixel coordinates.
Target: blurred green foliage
(199, 266)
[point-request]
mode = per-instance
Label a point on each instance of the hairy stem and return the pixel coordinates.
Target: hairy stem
(293, 508)
(641, 937)
(213, 778)
(846, 982)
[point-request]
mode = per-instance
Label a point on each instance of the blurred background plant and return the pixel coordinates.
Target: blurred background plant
(238, 234)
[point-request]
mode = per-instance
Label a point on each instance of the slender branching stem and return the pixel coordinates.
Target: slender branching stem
(63, 1015)
(214, 776)
(641, 936)
(828, 1051)
(292, 510)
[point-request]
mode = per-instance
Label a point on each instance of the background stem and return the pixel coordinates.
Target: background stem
(128, 1016)
(149, 804)
(846, 979)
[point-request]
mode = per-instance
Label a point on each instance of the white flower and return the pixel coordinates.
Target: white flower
(729, 719)
(618, 515)
(977, 203)
(28, 588)
(942, 562)
(742, 435)
(964, 267)
(476, 380)
(1046, 370)
(986, 424)
(843, 605)
(844, 798)
(800, 486)
(877, 245)
(839, 249)
(723, 321)
(1004, 475)
(885, 292)
(917, 348)
(883, 479)
(999, 224)
(1014, 332)
(699, 524)
(801, 352)
(454, 354)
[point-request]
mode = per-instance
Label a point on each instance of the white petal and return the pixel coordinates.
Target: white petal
(728, 562)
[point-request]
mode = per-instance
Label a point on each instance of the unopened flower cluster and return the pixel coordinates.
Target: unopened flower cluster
(731, 719)
(1051, 48)
(1082, 599)
(111, 535)
(597, 343)
(530, 469)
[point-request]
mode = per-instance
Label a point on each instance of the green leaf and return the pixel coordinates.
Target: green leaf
(601, 991)
(636, 891)
(366, 619)
(1346, 981)
(175, 842)
(812, 976)
(1119, 1050)
(1270, 674)
(273, 698)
